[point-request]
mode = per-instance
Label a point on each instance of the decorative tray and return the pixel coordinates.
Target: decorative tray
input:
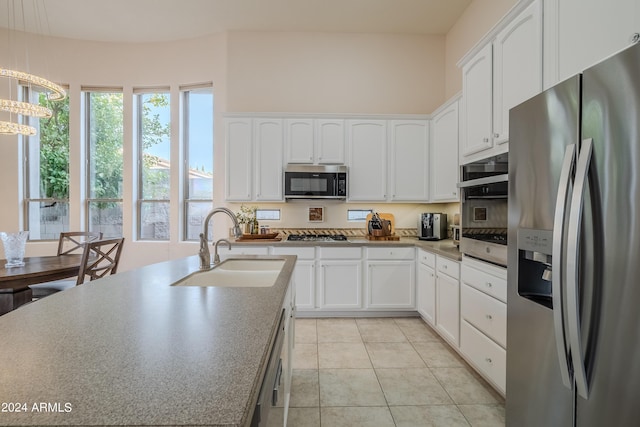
(269, 236)
(369, 237)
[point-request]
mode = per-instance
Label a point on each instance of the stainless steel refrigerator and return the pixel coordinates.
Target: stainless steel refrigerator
(573, 328)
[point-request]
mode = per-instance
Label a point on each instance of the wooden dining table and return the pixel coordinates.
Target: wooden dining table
(15, 281)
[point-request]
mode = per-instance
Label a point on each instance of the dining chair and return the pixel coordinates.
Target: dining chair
(99, 258)
(73, 241)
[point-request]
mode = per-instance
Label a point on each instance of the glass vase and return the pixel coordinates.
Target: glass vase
(14, 244)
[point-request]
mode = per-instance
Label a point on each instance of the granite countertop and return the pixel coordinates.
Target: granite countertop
(130, 349)
(444, 247)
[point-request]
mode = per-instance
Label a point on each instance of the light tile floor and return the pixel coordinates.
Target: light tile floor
(380, 372)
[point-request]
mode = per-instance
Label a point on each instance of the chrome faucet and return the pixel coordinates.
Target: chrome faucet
(216, 257)
(204, 254)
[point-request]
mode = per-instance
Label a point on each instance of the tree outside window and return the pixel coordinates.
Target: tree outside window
(104, 135)
(154, 146)
(46, 170)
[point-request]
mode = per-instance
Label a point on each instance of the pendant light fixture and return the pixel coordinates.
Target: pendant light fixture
(12, 105)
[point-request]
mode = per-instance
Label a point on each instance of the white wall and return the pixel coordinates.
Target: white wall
(335, 73)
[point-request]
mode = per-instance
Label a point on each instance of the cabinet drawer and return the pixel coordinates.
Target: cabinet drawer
(485, 313)
(448, 267)
(484, 281)
(427, 258)
(391, 253)
(487, 356)
(302, 253)
(339, 253)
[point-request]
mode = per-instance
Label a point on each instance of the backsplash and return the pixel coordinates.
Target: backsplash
(349, 232)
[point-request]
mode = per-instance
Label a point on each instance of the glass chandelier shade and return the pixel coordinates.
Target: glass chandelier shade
(16, 107)
(54, 93)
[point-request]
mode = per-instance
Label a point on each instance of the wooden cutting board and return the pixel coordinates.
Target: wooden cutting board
(389, 217)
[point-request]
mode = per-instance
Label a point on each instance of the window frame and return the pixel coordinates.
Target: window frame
(185, 92)
(85, 94)
(138, 93)
(26, 92)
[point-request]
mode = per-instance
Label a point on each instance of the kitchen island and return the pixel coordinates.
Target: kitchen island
(131, 349)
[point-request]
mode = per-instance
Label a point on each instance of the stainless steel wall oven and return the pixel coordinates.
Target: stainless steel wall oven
(483, 222)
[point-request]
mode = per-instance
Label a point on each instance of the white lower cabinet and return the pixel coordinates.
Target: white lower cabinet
(334, 279)
(484, 354)
(340, 285)
(304, 274)
(339, 278)
(390, 284)
(390, 278)
(448, 299)
(286, 360)
(483, 312)
(426, 286)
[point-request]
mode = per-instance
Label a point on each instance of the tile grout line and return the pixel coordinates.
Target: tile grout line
(375, 372)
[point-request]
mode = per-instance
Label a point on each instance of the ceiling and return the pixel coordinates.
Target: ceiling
(166, 20)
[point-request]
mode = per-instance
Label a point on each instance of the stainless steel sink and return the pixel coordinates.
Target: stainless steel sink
(237, 273)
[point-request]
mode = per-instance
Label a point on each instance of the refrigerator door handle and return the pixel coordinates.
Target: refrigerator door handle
(573, 265)
(557, 263)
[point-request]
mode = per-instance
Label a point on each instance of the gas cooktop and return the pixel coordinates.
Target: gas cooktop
(317, 237)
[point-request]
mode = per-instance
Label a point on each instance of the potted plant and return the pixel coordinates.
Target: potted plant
(247, 217)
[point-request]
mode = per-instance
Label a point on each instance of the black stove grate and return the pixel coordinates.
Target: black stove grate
(317, 237)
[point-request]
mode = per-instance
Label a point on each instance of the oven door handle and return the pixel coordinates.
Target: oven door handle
(483, 181)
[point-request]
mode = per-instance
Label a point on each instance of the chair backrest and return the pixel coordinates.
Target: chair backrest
(73, 241)
(100, 258)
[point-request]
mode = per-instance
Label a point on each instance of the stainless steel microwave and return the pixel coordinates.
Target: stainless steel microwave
(315, 182)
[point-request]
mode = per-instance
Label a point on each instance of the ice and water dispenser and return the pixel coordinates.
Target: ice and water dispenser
(534, 265)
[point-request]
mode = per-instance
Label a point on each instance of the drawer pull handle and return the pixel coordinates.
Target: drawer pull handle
(489, 285)
(488, 360)
(489, 317)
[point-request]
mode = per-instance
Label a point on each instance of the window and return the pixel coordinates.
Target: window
(358, 215)
(268, 214)
(104, 139)
(154, 164)
(197, 137)
(46, 170)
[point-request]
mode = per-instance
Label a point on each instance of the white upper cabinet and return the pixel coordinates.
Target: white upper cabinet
(477, 85)
(517, 66)
(319, 141)
(330, 141)
(268, 159)
(444, 163)
(367, 142)
(504, 72)
(299, 140)
(388, 159)
(253, 159)
(580, 33)
(239, 159)
(409, 146)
